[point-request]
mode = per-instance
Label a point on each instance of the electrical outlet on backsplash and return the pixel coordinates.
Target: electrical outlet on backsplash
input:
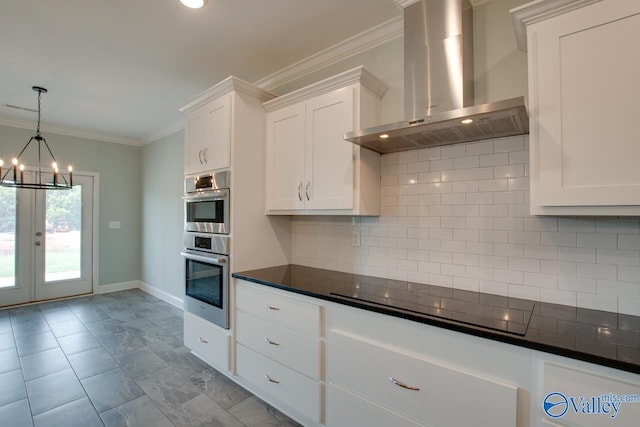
(458, 216)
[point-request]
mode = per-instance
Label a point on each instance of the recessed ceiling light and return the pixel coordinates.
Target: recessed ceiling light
(466, 121)
(194, 4)
(384, 136)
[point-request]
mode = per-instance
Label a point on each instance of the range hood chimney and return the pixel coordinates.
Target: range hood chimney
(438, 86)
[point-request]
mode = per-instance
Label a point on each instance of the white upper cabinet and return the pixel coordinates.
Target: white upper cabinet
(584, 63)
(209, 122)
(208, 136)
(310, 168)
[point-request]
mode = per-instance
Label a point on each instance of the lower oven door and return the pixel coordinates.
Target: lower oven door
(207, 286)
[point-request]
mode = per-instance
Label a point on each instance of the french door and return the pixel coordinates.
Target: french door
(46, 242)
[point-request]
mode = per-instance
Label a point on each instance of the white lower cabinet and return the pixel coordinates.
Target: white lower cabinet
(279, 350)
(208, 341)
(279, 382)
(350, 410)
(429, 392)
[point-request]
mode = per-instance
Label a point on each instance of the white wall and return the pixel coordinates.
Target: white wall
(162, 173)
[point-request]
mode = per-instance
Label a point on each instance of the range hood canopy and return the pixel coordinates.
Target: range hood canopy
(438, 86)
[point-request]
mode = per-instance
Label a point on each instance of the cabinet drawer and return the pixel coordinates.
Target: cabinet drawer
(292, 349)
(444, 396)
(285, 385)
(288, 312)
(345, 409)
(207, 340)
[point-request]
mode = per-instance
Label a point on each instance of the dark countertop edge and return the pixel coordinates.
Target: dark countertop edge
(457, 327)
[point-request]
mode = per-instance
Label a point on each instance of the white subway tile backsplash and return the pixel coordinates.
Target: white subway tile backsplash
(577, 284)
(458, 216)
(576, 225)
(595, 240)
(617, 288)
(597, 271)
(501, 184)
(618, 257)
(629, 274)
(629, 306)
(511, 171)
(499, 159)
(466, 162)
(453, 151)
(628, 242)
(508, 276)
(555, 296)
(541, 252)
(618, 225)
(476, 148)
(584, 255)
(508, 144)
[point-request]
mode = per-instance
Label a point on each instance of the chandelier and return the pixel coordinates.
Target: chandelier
(13, 176)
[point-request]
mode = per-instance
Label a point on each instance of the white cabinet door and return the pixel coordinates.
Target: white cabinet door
(217, 144)
(195, 130)
(583, 71)
(208, 136)
(285, 158)
(329, 159)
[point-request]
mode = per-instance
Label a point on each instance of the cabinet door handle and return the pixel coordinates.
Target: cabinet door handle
(202, 340)
(200, 156)
(204, 155)
(271, 307)
(268, 341)
(403, 385)
(306, 190)
(271, 379)
(300, 191)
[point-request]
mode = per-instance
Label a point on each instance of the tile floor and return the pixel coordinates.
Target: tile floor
(113, 360)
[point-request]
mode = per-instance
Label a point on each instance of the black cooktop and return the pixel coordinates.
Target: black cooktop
(610, 339)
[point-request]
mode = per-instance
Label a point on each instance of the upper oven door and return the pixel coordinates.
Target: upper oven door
(207, 212)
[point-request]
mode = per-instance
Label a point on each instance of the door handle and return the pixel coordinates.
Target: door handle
(271, 379)
(204, 155)
(306, 190)
(268, 341)
(300, 191)
(200, 156)
(38, 243)
(403, 385)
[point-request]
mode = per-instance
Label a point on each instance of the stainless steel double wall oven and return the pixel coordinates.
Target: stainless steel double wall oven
(207, 246)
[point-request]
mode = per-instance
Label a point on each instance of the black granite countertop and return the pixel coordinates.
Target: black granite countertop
(601, 337)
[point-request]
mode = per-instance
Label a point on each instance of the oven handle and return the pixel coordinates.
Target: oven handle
(218, 194)
(202, 258)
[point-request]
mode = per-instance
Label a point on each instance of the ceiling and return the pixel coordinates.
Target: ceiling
(121, 69)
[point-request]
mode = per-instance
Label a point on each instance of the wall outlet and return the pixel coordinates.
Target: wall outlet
(355, 238)
(114, 225)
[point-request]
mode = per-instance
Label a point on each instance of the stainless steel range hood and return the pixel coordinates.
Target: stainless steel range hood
(438, 89)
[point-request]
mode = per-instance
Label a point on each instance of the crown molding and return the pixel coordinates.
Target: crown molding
(227, 85)
(405, 3)
(355, 75)
(67, 131)
(380, 34)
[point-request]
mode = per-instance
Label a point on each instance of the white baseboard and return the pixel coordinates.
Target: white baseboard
(115, 287)
(163, 295)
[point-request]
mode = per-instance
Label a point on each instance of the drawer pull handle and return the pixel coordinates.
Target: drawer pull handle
(202, 340)
(403, 385)
(268, 341)
(270, 307)
(271, 379)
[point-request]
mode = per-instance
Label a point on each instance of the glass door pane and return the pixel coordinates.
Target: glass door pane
(7, 237)
(63, 225)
